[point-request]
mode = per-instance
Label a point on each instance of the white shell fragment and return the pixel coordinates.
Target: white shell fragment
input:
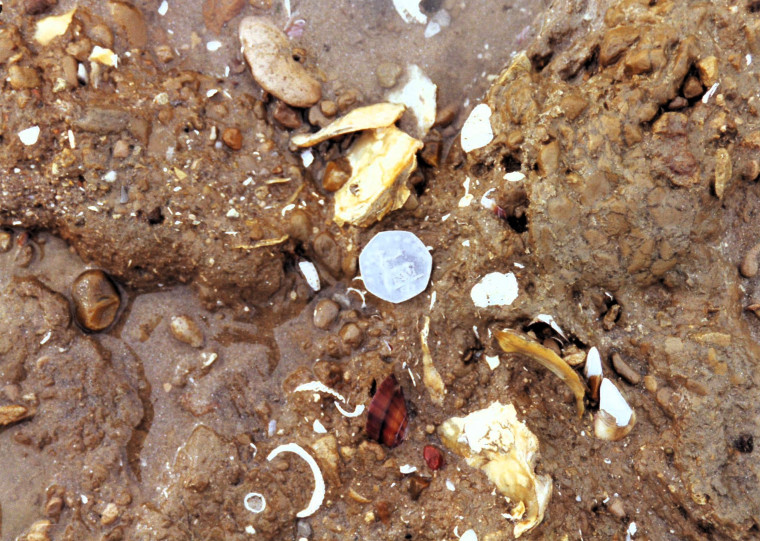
(593, 363)
(255, 502)
(469, 535)
(430, 375)
(419, 95)
(615, 418)
(395, 266)
(318, 495)
(381, 162)
(50, 28)
(514, 176)
(495, 289)
(319, 428)
(104, 56)
(492, 361)
(29, 136)
(409, 10)
(477, 131)
(319, 387)
(611, 401)
(310, 273)
(496, 442)
(549, 320)
(378, 115)
(358, 411)
(406, 469)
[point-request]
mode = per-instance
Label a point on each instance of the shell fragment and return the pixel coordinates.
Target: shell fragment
(495, 289)
(378, 115)
(496, 442)
(318, 496)
(477, 131)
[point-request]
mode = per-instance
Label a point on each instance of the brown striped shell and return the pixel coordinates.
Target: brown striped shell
(387, 419)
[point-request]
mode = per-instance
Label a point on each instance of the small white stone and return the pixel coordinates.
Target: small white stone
(395, 266)
(319, 428)
(611, 401)
(250, 530)
(29, 136)
(495, 289)
(232, 213)
(162, 9)
(450, 485)
(310, 273)
(211, 93)
(477, 131)
(213, 45)
(110, 176)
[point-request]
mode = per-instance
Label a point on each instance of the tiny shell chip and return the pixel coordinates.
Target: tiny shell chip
(395, 266)
(477, 131)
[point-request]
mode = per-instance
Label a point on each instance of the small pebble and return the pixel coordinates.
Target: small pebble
(624, 370)
(433, 457)
(348, 99)
(351, 335)
(233, 138)
(286, 115)
(121, 149)
(185, 330)
(325, 313)
(109, 515)
(6, 241)
(617, 508)
(96, 300)
(337, 173)
(329, 108)
(387, 74)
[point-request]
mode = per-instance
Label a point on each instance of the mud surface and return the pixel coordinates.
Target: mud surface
(634, 127)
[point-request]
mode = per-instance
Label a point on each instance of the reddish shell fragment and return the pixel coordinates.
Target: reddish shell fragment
(433, 457)
(387, 419)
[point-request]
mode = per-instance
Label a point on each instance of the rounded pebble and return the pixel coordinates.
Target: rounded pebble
(325, 313)
(351, 335)
(387, 74)
(96, 300)
(185, 330)
(233, 138)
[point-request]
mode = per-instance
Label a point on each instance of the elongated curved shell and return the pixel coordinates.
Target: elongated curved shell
(387, 419)
(381, 162)
(378, 115)
(496, 442)
(511, 342)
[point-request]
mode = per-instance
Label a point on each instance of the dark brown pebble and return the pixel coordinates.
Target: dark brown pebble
(299, 225)
(35, 7)
(383, 510)
(351, 335)
(446, 116)
(96, 300)
(416, 485)
(325, 313)
(431, 153)
(624, 370)
(286, 115)
(233, 138)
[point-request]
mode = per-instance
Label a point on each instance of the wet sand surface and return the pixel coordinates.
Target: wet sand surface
(618, 191)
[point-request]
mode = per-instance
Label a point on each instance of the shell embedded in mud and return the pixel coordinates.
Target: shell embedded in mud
(96, 300)
(495, 441)
(387, 419)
